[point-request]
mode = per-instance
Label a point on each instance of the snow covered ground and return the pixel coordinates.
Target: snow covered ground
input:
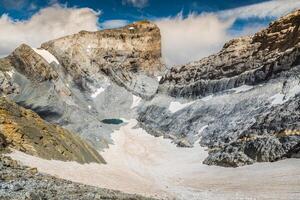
(153, 166)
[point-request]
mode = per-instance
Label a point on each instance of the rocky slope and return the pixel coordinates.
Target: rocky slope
(24, 130)
(241, 103)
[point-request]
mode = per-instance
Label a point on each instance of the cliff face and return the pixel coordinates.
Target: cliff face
(244, 99)
(246, 60)
(121, 54)
(24, 130)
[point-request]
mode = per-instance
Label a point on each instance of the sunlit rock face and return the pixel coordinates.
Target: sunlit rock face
(241, 103)
(121, 54)
(24, 130)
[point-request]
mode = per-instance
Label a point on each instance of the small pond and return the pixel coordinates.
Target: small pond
(112, 121)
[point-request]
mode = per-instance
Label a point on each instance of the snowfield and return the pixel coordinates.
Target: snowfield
(153, 166)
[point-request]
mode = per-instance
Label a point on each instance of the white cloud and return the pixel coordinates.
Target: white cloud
(275, 8)
(114, 23)
(186, 39)
(136, 3)
(191, 38)
(49, 23)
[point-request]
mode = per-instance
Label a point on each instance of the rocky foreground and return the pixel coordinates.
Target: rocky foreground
(23, 183)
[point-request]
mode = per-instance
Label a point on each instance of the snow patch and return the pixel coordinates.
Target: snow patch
(135, 101)
(89, 106)
(202, 129)
(242, 88)
(97, 92)
(131, 28)
(175, 106)
(207, 98)
(159, 78)
(10, 73)
(46, 55)
(277, 99)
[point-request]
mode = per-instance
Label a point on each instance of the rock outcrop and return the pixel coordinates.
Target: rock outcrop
(247, 60)
(24, 130)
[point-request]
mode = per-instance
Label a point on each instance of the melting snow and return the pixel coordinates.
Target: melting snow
(46, 55)
(97, 92)
(135, 101)
(175, 106)
(153, 166)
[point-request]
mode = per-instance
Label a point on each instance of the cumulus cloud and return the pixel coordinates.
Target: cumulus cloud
(191, 38)
(49, 23)
(186, 39)
(108, 24)
(136, 3)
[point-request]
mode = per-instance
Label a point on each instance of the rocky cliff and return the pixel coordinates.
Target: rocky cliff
(121, 54)
(247, 60)
(241, 103)
(24, 130)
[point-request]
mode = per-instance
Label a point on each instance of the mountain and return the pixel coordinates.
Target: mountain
(241, 103)
(64, 100)
(80, 80)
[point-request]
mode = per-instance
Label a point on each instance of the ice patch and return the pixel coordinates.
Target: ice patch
(135, 101)
(175, 106)
(46, 55)
(242, 88)
(97, 92)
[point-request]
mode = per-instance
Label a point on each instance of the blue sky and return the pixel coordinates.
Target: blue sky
(190, 29)
(126, 10)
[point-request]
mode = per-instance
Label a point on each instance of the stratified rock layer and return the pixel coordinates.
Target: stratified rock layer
(24, 130)
(246, 60)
